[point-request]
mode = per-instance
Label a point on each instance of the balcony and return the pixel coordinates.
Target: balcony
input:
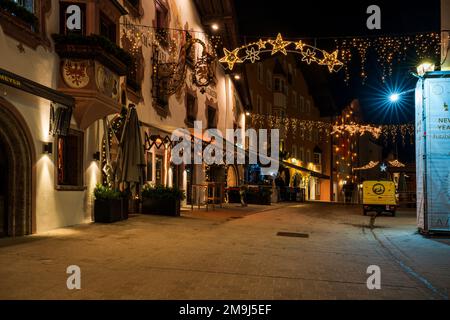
(91, 71)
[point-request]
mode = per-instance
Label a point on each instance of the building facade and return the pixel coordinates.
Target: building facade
(350, 151)
(68, 72)
(278, 92)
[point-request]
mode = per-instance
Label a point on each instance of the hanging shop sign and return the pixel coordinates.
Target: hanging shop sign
(21, 83)
(433, 152)
(61, 108)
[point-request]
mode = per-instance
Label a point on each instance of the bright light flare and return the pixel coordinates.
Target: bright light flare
(394, 97)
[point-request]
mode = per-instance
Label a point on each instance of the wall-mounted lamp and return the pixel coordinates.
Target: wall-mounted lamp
(237, 77)
(215, 27)
(47, 148)
(96, 156)
(247, 114)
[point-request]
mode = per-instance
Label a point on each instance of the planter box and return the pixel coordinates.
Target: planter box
(234, 196)
(257, 196)
(108, 211)
(163, 207)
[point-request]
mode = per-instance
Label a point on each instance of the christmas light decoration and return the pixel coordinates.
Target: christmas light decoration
(252, 52)
(338, 131)
(231, 58)
(387, 50)
(279, 45)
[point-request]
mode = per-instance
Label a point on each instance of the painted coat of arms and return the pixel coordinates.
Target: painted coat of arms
(75, 74)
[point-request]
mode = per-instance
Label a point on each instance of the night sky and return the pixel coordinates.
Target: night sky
(326, 20)
(322, 22)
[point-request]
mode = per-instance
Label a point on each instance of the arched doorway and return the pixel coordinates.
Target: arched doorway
(3, 192)
(17, 156)
(232, 177)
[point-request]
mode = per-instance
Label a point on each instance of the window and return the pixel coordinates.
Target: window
(308, 156)
(308, 106)
(259, 105)
(302, 104)
(190, 109)
(294, 99)
(107, 28)
(269, 80)
(294, 151)
(27, 4)
(317, 158)
(212, 117)
(162, 15)
(260, 72)
(70, 159)
(317, 187)
(269, 108)
(159, 166)
(302, 155)
(277, 85)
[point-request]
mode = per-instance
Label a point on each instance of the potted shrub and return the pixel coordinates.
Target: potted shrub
(161, 200)
(108, 205)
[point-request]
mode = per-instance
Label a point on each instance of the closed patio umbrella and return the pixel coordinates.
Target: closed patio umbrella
(131, 152)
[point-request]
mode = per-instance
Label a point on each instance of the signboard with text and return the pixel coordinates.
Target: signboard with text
(433, 152)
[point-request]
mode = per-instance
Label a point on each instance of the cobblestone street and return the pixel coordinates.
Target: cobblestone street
(232, 253)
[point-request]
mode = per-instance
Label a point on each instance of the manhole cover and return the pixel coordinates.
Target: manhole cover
(293, 234)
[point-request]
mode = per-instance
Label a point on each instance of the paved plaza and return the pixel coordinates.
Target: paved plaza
(232, 253)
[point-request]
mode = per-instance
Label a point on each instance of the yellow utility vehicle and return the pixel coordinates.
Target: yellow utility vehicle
(379, 196)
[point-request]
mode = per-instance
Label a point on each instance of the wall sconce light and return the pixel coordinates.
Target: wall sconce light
(96, 156)
(47, 148)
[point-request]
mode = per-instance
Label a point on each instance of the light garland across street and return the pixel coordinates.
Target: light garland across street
(252, 52)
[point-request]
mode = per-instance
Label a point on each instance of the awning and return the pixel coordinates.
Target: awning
(21, 83)
(311, 172)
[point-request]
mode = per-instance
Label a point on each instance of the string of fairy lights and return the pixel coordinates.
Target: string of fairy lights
(388, 133)
(388, 49)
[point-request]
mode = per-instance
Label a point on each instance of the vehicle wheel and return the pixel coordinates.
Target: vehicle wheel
(393, 213)
(365, 212)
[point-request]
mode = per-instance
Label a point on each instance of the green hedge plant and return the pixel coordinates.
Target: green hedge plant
(162, 192)
(102, 192)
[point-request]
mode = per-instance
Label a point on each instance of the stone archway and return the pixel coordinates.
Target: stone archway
(18, 152)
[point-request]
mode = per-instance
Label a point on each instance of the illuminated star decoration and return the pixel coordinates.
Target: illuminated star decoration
(309, 56)
(299, 45)
(383, 167)
(231, 58)
(252, 55)
(279, 45)
(331, 60)
(261, 44)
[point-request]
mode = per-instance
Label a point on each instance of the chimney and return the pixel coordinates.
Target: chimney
(445, 34)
